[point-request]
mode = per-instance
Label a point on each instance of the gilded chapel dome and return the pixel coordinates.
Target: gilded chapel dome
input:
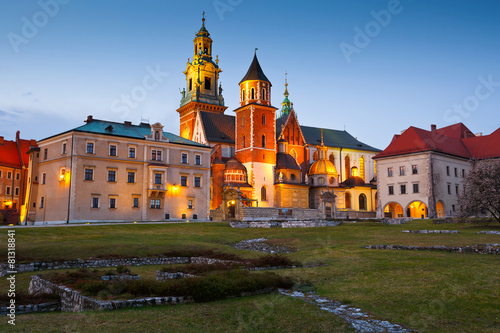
(321, 167)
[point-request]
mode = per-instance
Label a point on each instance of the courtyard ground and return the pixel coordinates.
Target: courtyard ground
(426, 291)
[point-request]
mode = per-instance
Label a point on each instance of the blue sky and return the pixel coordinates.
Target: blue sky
(371, 67)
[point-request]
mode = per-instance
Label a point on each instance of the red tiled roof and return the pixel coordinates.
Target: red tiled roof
(455, 140)
(9, 155)
(487, 146)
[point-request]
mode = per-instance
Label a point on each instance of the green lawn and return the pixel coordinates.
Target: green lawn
(426, 291)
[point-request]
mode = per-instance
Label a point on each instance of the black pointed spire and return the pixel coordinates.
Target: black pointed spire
(255, 72)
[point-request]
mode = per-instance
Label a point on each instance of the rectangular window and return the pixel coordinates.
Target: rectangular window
(447, 170)
(449, 189)
(391, 190)
(111, 176)
(453, 207)
(16, 191)
(63, 148)
(195, 216)
(456, 189)
(190, 204)
(45, 151)
(198, 160)
(184, 158)
(155, 204)
(44, 178)
(95, 202)
(184, 181)
(402, 170)
(42, 202)
(157, 178)
(112, 150)
(197, 181)
(9, 175)
(456, 172)
(89, 174)
(414, 170)
(463, 172)
(136, 203)
(18, 176)
(0, 173)
(183, 216)
(131, 152)
(112, 203)
(90, 147)
(403, 189)
(7, 190)
(389, 172)
(156, 155)
(415, 188)
(131, 177)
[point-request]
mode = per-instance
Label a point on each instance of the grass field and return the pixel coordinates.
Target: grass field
(426, 291)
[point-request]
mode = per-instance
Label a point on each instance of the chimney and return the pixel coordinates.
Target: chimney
(433, 128)
(89, 119)
(17, 136)
(33, 142)
(129, 123)
(479, 134)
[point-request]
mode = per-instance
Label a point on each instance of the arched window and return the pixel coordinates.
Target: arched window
(347, 200)
(252, 93)
(347, 167)
(157, 136)
(362, 167)
(243, 121)
(243, 142)
(190, 84)
(263, 119)
(243, 94)
(362, 202)
(332, 158)
(263, 141)
(292, 176)
(264, 94)
(263, 194)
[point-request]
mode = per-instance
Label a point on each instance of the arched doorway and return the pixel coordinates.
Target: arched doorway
(440, 209)
(417, 209)
(393, 209)
(347, 200)
(362, 202)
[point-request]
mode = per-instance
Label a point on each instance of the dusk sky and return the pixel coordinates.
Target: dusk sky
(371, 67)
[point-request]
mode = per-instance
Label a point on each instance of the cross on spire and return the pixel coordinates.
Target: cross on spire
(203, 19)
(256, 50)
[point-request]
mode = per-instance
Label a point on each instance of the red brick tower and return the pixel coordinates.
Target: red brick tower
(255, 143)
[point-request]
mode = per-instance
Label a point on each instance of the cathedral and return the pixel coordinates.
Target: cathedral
(263, 152)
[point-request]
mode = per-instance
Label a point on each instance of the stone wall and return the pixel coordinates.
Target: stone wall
(262, 214)
(32, 308)
(341, 214)
(120, 277)
(481, 249)
(397, 220)
(94, 263)
(284, 224)
(72, 300)
(162, 276)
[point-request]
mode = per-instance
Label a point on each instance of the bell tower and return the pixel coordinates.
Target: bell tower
(255, 125)
(203, 91)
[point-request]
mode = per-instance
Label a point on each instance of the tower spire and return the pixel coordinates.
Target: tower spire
(286, 105)
(322, 138)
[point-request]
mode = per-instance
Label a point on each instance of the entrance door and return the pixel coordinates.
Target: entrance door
(231, 211)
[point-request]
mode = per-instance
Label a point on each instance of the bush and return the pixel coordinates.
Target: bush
(273, 260)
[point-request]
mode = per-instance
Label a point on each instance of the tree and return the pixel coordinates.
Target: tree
(481, 192)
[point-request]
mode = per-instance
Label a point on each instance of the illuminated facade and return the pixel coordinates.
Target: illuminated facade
(106, 171)
(264, 152)
(13, 177)
(421, 173)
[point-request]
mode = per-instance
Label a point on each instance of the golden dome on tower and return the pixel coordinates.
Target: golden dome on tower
(321, 167)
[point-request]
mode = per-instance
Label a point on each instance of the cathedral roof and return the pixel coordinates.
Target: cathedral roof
(354, 181)
(321, 167)
(218, 127)
(234, 164)
(255, 72)
(286, 161)
(334, 138)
